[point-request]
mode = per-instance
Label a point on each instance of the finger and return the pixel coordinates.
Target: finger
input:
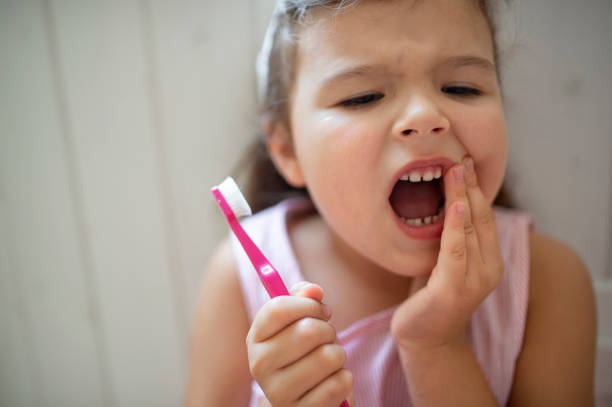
(455, 190)
(483, 216)
(308, 372)
(307, 290)
(331, 392)
(293, 343)
(281, 312)
(454, 187)
(452, 260)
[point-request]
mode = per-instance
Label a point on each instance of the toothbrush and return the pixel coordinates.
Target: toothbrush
(233, 205)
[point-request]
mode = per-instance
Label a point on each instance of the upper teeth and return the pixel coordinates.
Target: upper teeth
(418, 176)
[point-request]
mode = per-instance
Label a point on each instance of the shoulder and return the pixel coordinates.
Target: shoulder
(556, 266)
(221, 285)
(558, 352)
(221, 264)
(220, 276)
(220, 321)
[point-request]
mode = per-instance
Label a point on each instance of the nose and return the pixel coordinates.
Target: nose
(421, 116)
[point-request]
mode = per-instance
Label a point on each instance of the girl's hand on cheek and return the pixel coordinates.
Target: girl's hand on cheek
(293, 354)
(469, 267)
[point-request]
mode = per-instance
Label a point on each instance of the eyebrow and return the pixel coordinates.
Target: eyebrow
(353, 72)
(470, 60)
(456, 61)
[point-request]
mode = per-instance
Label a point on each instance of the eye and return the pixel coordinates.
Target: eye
(362, 100)
(461, 91)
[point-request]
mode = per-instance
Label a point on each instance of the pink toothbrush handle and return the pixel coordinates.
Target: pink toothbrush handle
(267, 273)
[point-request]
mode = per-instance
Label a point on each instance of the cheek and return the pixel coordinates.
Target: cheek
(335, 151)
(486, 141)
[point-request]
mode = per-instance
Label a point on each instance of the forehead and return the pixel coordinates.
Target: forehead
(399, 33)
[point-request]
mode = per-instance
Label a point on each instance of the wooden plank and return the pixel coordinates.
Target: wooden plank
(603, 375)
(45, 263)
(18, 370)
(559, 123)
(168, 201)
(603, 291)
(102, 51)
(205, 70)
(608, 274)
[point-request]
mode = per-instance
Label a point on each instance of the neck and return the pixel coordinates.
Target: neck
(371, 277)
(343, 272)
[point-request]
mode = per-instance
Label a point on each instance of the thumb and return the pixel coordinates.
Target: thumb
(307, 290)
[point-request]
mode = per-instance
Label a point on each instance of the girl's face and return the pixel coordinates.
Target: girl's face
(378, 87)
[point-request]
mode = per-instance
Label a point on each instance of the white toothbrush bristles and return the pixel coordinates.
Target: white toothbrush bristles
(230, 191)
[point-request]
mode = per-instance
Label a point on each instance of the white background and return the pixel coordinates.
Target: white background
(116, 118)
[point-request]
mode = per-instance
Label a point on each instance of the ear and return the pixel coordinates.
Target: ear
(280, 148)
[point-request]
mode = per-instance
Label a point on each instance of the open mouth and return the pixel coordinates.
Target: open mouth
(418, 197)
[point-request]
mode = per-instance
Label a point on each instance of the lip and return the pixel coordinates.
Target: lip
(433, 231)
(444, 162)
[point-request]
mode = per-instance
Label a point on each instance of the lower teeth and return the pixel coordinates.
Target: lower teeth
(424, 221)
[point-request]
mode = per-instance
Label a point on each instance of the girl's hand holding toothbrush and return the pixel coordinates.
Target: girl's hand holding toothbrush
(469, 267)
(293, 353)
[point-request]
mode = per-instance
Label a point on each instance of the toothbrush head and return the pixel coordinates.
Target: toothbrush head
(234, 197)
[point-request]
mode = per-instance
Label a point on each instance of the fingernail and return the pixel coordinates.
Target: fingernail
(460, 208)
(326, 311)
(469, 164)
(458, 172)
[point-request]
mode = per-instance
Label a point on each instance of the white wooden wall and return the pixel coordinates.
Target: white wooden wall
(116, 117)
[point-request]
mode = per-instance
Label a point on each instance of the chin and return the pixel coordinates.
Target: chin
(415, 264)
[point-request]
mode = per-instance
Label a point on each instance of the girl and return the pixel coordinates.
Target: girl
(389, 114)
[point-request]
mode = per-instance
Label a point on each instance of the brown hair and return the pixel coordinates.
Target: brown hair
(275, 73)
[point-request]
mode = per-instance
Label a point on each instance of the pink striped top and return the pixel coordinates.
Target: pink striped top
(495, 332)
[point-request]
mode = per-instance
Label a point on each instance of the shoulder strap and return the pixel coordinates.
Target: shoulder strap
(498, 324)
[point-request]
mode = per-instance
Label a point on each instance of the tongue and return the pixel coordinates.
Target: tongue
(416, 200)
